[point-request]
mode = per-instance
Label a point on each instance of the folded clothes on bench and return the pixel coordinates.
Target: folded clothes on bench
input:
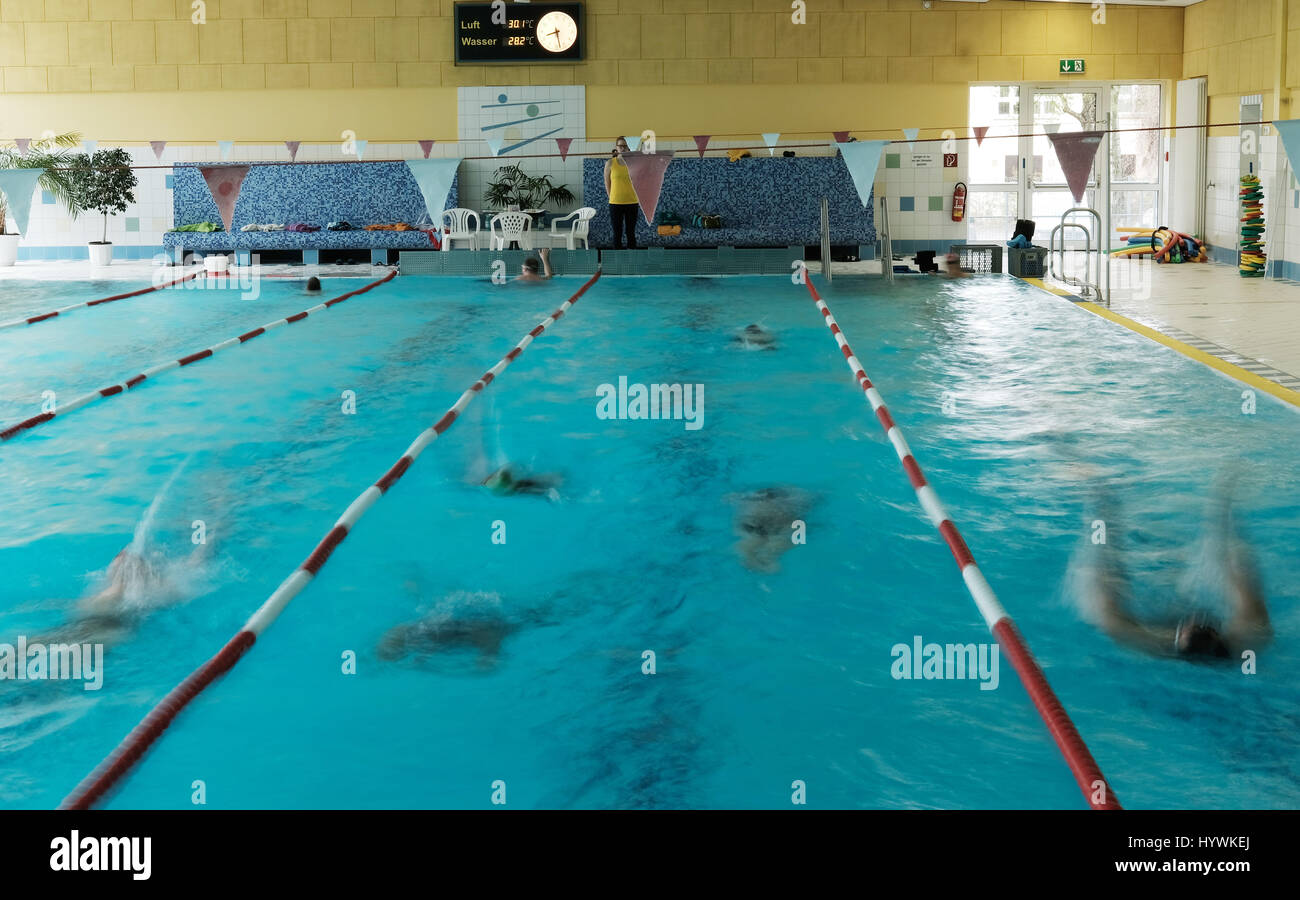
(301, 227)
(399, 226)
(202, 227)
(251, 227)
(339, 226)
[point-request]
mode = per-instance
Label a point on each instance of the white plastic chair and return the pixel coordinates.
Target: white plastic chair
(515, 226)
(458, 229)
(575, 232)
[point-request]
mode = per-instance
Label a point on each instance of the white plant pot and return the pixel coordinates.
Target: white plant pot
(101, 254)
(9, 249)
(216, 265)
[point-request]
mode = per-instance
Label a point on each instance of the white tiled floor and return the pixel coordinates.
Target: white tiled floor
(1254, 317)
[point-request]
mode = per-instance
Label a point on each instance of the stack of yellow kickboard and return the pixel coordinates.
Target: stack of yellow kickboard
(1252, 260)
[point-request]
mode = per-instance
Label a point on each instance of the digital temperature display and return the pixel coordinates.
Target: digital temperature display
(517, 32)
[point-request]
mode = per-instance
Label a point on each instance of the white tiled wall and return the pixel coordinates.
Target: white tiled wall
(1221, 218)
(151, 214)
(919, 184)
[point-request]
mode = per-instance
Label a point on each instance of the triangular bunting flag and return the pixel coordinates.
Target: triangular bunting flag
(980, 131)
(23, 144)
(89, 147)
(770, 138)
(224, 148)
(862, 158)
(646, 172)
(910, 134)
(563, 144)
(1075, 151)
(434, 176)
(702, 141)
(224, 183)
(158, 147)
(1052, 127)
(361, 149)
(292, 147)
(633, 143)
(841, 137)
(18, 185)
(495, 144)
(427, 147)
(1289, 131)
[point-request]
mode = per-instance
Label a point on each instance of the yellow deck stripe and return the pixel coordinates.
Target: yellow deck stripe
(1236, 372)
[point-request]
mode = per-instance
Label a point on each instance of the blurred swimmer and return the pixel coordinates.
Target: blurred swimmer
(528, 269)
(755, 337)
(1104, 593)
(764, 520)
(952, 267)
(140, 578)
(504, 482)
(462, 620)
(500, 476)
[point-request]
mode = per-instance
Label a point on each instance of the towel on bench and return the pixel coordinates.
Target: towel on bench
(201, 227)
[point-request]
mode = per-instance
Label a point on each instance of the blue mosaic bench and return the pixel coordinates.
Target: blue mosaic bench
(764, 202)
(358, 193)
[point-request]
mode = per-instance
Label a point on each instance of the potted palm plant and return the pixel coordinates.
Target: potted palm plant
(103, 183)
(52, 155)
(512, 188)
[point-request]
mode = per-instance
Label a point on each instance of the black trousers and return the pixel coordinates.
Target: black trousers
(623, 217)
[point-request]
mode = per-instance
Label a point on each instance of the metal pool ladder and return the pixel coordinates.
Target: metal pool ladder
(886, 244)
(826, 239)
(1090, 287)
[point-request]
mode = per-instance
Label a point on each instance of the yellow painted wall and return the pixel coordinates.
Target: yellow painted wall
(1234, 44)
(267, 70)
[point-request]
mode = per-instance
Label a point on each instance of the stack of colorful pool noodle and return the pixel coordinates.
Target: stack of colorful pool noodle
(1144, 242)
(1138, 242)
(1252, 228)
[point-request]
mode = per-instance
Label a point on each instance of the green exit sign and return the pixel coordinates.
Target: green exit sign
(1071, 67)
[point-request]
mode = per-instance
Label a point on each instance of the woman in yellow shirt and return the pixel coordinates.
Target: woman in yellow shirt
(622, 199)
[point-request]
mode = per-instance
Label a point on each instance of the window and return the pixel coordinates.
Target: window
(998, 108)
(1137, 156)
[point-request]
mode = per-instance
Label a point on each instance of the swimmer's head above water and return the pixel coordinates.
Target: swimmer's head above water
(500, 481)
(1194, 638)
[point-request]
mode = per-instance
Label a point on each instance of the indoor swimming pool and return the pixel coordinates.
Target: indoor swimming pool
(772, 659)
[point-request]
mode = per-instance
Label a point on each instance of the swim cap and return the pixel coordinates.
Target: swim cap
(1193, 638)
(499, 482)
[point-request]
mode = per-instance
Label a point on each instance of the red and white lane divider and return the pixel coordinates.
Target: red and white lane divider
(86, 399)
(32, 320)
(128, 752)
(1086, 771)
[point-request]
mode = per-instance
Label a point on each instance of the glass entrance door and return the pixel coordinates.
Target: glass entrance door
(1014, 172)
(1062, 111)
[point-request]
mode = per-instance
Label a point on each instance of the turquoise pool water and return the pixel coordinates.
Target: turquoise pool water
(763, 678)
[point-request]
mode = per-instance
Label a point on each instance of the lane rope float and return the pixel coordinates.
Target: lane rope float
(85, 399)
(1077, 756)
(118, 763)
(32, 320)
